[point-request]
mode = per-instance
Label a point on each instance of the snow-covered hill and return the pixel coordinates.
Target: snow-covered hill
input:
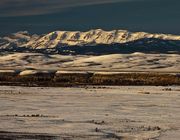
(110, 62)
(93, 42)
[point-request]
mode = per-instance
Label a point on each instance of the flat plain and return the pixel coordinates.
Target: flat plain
(90, 112)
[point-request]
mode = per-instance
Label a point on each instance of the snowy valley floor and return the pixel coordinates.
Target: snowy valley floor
(90, 112)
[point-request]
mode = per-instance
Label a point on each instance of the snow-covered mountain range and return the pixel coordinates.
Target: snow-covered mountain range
(91, 42)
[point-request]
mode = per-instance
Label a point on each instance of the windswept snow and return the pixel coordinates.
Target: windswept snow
(111, 62)
(93, 113)
(28, 72)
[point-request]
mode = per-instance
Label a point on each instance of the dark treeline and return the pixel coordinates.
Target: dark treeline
(75, 79)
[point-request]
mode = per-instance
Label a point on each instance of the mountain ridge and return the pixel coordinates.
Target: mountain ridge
(61, 40)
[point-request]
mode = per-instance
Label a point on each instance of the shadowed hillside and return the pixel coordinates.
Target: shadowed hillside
(145, 45)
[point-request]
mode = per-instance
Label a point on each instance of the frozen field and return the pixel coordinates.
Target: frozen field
(125, 112)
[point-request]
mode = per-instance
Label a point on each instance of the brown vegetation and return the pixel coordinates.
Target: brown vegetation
(72, 79)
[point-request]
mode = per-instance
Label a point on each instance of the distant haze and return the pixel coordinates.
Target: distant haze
(37, 16)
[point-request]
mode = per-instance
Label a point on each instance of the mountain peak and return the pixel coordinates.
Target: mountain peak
(94, 37)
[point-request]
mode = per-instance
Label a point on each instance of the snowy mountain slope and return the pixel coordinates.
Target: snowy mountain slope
(73, 41)
(93, 37)
(16, 40)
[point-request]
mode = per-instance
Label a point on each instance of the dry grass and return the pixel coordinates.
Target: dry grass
(73, 79)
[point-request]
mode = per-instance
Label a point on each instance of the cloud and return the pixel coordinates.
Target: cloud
(38, 7)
